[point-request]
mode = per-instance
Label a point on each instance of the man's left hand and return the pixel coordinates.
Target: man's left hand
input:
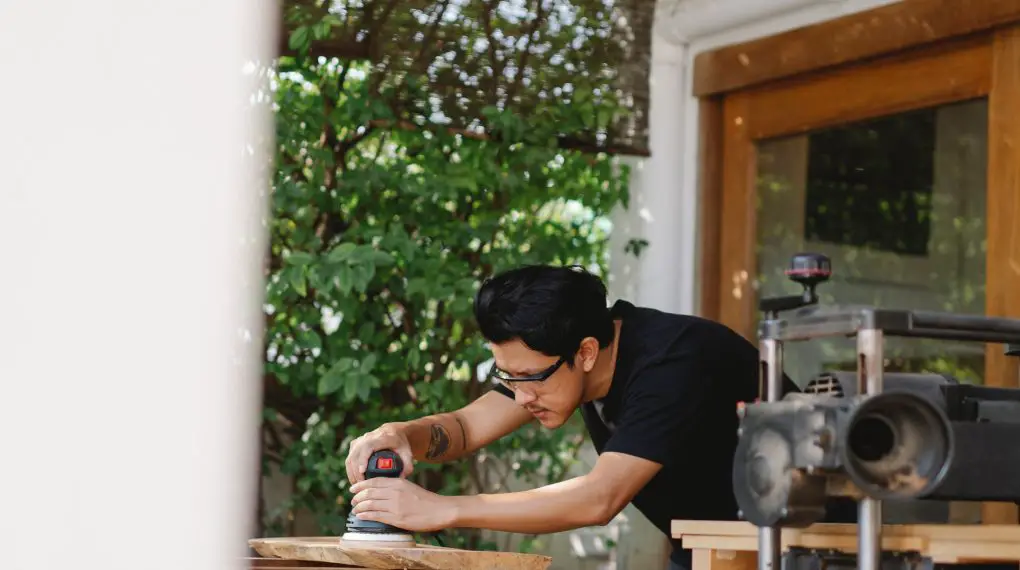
(401, 503)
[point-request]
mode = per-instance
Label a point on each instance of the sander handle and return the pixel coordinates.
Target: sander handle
(384, 463)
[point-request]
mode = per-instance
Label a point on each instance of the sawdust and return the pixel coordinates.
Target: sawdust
(907, 480)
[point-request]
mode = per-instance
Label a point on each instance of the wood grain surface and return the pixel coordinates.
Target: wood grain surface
(892, 28)
(422, 557)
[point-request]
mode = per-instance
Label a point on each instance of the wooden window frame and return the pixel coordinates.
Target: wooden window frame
(908, 55)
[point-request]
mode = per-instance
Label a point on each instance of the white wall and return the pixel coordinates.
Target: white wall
(658, 209)
(131, 282)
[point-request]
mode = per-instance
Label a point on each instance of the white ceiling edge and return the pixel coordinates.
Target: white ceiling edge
(683, 21)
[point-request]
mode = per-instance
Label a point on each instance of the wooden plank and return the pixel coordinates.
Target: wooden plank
(953, 72)
(1002, 296)
(710, 190)
(945, 544)
(940, 551)
(842, 543)
(421, 557)
(704, 559)
(281, 564)
(737, 261)
(984, 533)
(975, 551)
(854, 37)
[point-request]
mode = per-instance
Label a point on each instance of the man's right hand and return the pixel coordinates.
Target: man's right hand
(386, 436)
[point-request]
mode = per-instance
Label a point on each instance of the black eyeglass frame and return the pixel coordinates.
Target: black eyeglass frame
(495, 372)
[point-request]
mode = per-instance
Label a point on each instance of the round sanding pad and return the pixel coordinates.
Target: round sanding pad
(377, 540)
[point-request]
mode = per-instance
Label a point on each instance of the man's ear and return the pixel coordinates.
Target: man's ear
(589, 352)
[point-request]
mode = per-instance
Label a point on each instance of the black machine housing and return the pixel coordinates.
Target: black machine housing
(866, 435)
(926, 437)
(382, 463)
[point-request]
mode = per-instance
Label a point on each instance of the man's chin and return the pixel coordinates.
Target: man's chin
(548, 419)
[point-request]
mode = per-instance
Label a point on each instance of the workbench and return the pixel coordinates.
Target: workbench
(726, 545)
(291, 553)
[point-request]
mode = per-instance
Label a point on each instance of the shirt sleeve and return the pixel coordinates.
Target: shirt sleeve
(661, 410)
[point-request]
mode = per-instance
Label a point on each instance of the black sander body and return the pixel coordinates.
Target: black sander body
(382, 463)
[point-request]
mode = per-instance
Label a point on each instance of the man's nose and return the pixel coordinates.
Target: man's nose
(524, 397)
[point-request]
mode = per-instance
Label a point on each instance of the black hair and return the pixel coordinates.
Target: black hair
(550, 309)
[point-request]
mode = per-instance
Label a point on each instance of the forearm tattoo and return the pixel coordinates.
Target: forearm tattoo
(439, 443)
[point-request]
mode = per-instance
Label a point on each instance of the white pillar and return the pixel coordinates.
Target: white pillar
(131, 224)
(656, 210)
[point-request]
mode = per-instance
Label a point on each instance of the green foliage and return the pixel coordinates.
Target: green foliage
(517, 55)
(385, 219)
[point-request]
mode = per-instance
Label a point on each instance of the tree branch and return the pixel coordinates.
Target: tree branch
(522, 61)
(438, 368)
(430, 35)
(563, 142)
(497, 70)
(350, 142)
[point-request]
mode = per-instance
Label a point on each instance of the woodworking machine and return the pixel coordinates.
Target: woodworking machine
(864, 435)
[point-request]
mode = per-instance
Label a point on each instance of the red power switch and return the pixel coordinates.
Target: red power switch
(384, 463)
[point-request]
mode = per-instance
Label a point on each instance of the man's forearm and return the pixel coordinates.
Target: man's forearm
(567, 505)
(437, 438)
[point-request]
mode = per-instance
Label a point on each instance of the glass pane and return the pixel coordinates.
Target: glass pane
(898, 204)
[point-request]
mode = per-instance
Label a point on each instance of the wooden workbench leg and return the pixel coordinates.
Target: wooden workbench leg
(710, 559)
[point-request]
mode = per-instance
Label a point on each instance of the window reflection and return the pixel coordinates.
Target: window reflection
(898, 203)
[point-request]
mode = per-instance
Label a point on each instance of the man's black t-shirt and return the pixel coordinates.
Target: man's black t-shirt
(673, 400)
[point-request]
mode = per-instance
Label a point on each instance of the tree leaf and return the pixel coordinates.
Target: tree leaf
(333, 379)
(300, 258)
(366, 332)
(362, 276)
(341, 252)
(417, 285)
(345, 279)
(309, 339)
(368, 363)
(322, 29)
(381, 258)
(298, 40)
(364, 388)
(350, 388)
(297, 280)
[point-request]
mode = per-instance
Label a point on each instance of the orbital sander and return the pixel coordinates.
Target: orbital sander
(382, 463)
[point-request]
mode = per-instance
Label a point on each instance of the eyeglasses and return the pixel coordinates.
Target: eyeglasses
(510, 381)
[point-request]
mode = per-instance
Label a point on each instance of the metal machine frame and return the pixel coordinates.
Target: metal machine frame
(804, 320)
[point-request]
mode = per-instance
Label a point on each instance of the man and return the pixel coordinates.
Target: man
(658, 393)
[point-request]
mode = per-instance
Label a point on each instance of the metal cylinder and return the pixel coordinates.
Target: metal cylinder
(870, 368)
(897, 445)
(772, 352)
(870, 361)
(769, 548)
(869, 534)
(770, 538)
